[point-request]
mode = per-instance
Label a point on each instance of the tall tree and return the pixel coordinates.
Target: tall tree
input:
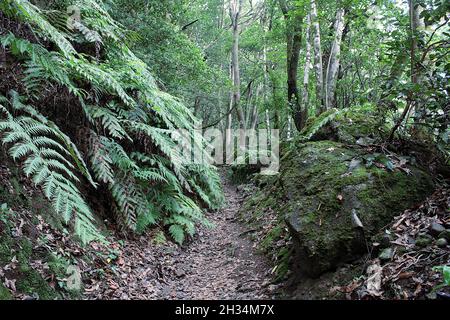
(235, 11)
(318, 63)
(334, 60)
(293, 20)
(416, 24)
(305, 93)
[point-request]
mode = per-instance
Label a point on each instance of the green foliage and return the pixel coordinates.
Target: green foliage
(446, 274)
(130, 149)
(4, 213)
(317, 124)
(46, 161)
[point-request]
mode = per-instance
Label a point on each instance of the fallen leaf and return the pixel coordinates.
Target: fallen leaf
(373, 283)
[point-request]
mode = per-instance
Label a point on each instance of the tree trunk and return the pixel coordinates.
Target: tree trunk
(416, 24)
(235, 9)
(334, 61)
(305, 93)
(229, 126)
(411, 104)
(294, 40)
(318, 63)
(254, 115)
(197, 107)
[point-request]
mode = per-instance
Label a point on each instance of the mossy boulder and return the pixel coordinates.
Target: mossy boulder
(325, 187)
(356, 125)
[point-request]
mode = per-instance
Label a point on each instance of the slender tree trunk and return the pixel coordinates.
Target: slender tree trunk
(277, 99)
(318, 63)
(411, 103)
(254, 116)
(248, 112)
(417, 24)
(229, 126)
(197, 107)
(305, 93)
(235, 9)
(294, 40)
(334, 61)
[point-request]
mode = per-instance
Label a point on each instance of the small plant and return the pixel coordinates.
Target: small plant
(5, 212)
(446, 274)
(159, 238)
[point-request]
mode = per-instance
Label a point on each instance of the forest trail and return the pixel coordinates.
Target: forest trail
(221, 262)
(218, 263)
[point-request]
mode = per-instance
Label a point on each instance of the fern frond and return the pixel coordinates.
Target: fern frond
(177, 233)
(109, 121)
(46, 165)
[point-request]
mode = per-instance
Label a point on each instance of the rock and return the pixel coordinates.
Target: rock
(359, 125)
(316, 195)
(272, 288)
(436, 229)
(431, 296)
(386, 255)
(441, 242)
(384, 240)
(445, 234)
(180, 273)
(443, 295)
(354, 164)
(423, 240)
(364, 141)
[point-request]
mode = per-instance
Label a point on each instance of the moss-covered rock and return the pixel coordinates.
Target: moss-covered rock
(328, 188)
(324, 188)
(28, 280)
(362, 125)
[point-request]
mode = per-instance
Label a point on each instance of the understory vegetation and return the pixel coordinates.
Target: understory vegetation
(93, 94)
(81, 112)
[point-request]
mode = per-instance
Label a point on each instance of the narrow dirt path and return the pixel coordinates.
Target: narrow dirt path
(218, 263)
(221, 263)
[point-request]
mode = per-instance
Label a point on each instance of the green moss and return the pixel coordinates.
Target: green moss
(58, 266)
(283, 257)
(4, 293)
(273, 235)
(320, 185)
(33, 284)
(28, 281)
(6, 244)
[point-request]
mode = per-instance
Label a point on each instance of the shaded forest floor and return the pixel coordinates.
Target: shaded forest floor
(35, 254)
(221, 263)
(218, 263)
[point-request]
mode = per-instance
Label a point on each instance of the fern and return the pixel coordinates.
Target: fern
(177, 233)
(324, 119)
(108, 120)
(45, 161)
(130, 120)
